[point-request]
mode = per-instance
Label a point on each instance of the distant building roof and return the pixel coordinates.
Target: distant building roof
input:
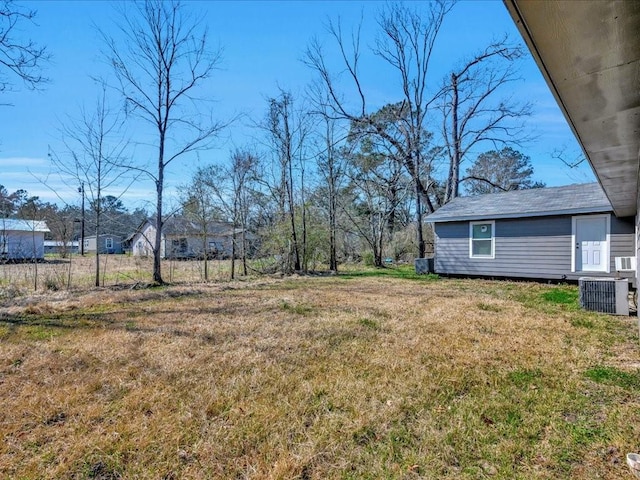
(58, 243)
(184, 226)
(103, 235)
(536, 202)
(19, 225)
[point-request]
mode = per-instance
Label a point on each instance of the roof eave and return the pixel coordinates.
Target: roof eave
(514, 216)
(615, 163)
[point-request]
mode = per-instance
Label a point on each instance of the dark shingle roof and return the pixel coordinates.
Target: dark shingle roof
(175, 226)
(537, 202)
(184, 226)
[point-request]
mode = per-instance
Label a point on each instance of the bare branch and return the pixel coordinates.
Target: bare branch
(20, 59)
(562, 155)
(471, 114)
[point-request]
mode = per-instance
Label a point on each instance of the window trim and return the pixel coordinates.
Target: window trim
(493, 239)
(108, 243)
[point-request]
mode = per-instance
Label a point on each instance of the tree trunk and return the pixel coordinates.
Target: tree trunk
(233, 252)
(97, 282)
(333, 261)
(205, 253)
(294, 236)
(305, 259)
(244, 251)
(421, 246)
(157, 274)
(378, 235)
(98, 209)
(454, 167)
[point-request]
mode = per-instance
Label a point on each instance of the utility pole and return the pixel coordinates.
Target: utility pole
(81, 190)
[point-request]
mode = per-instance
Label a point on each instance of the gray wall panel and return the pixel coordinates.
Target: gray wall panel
(528, 248)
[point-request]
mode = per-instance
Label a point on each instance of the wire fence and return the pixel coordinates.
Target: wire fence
(55, 273)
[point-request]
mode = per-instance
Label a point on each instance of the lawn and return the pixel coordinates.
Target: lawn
(350, 377)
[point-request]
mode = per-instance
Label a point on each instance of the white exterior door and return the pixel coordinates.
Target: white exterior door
(591, 235)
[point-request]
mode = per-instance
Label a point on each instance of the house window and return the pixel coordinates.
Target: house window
(482, 239)
(86, 244)
(108, 243)
(179, 245)
(4, 244)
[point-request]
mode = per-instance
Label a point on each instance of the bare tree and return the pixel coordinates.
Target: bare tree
(19, 59)
(331, 168)
(230, 188)
(30, 210)
(287, 130)
(162, 60)
(95, 159)
(378, 189)
(61, 225)
(472, 113)
(201, 209)
(406, 43)
(242, 174)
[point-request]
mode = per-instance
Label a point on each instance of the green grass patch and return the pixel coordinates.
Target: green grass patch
(5, 331)
(39, 332)
(582, 322)
(297, 308)
(23, 329)
(614, 376)
(524, 378)
(488, 307)
(369, 323)
(561, 295)
(405, 272)
(542, 298)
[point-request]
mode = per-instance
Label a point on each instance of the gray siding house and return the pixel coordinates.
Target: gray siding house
(103, 244)
(558, 233)
(594, 79)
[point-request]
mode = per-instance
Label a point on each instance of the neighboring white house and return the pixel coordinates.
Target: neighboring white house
(183, 239)
(22, 239)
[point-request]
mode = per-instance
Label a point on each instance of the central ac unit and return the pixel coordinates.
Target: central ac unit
(606, 295)
(625, 264)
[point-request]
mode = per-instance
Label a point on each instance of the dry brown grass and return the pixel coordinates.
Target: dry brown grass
(315, 378)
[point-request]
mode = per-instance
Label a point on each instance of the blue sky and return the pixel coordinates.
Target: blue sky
(262, 44)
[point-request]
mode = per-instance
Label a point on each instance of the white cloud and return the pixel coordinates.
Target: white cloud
(23, 162)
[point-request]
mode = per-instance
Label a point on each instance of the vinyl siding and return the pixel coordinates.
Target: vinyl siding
(24, 245)
(90, 246)
(528, 248)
